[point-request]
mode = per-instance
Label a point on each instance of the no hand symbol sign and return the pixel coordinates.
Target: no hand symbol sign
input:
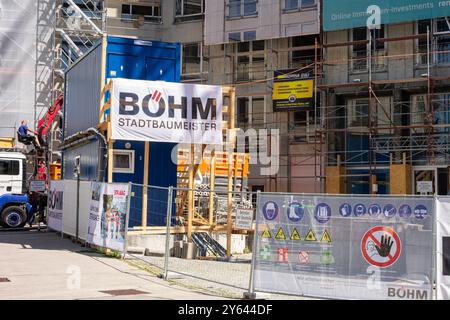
(381, 246)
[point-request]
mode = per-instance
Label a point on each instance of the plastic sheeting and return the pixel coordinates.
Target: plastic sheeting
(345, 247)
(17, 63)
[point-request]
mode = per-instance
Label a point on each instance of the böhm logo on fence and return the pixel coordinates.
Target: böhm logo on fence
(410, 294)
(56, 200)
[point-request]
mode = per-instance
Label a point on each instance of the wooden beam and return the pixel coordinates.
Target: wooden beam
(232, 135)
(212, 178)
(145, 184)
(191, 193)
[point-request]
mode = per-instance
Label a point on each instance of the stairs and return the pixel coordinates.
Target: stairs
(207, 245)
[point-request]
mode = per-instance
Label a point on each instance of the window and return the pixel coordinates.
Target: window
(298, 4)
(239, 8)
(358, 112)
(194, 65)
(242, 111)
(250, 61)
(302, 58)
(360, 50)
(123, 161)
(9, 167)
(234, 36)
(251, 112)
(188, 10)
(249, 35)
(147, 13)
(439, 42)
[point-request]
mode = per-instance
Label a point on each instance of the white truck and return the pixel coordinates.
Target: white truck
(15, 209)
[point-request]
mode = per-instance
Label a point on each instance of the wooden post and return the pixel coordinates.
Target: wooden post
(212, 178)
(231, 133)
(191, 193)
(145, 184)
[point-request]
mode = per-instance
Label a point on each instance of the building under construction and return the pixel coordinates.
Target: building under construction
(385, 108)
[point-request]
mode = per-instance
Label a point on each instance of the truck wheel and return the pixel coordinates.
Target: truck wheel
(13, 217)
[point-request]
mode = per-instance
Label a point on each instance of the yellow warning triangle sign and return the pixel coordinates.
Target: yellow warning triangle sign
(266, 234)
(295, 235)
(280, 235)
(310, 236)
(326, 237)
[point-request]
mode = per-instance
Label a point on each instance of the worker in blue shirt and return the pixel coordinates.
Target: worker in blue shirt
(26, 138)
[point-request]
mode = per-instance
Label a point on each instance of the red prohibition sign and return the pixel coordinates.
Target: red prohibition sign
(391, 258)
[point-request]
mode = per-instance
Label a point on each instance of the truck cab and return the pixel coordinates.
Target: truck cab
(15, 211)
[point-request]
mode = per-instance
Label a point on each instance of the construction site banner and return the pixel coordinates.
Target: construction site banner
(443, 247)
(166, 112)
(55, 205)
(293, 90)
(109, 210)
(345, 247)
(348, 14)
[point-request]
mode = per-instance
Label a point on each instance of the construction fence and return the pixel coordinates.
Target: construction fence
(340, 247)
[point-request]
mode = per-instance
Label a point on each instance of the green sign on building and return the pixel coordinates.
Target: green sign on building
(348, 14)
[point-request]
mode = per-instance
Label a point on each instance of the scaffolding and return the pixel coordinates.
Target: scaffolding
(378, 118)
(66, 29)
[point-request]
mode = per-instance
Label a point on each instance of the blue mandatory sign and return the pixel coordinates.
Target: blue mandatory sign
(322, 213)
(405, 211)
(270, 210)
(389, 210)
(359, 210)
(420, 211)
(374, 209)
(295, 212)
(345, 210)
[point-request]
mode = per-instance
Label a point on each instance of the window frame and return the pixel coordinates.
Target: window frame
(299, 6)
(131, 154)
(252, 55)
(196, 75)
(242, 4)
(11, 167)
(189, 17)
(130, 17)
(375, 52)
(434, 43)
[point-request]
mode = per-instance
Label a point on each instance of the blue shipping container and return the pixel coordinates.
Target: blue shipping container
(132, 59)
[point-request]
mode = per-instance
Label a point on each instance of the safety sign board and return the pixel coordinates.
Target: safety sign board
(374, 209)
(266, 234)
(381, 246)
(295, 212)
(326, 237)
(420, 211)
(295, 235)
(280, 235)
(270, 210)
(310, 236)
(360, 210)
(282, 255)
(345, 210)
(389, 210)
(303, 257)
(264, 252)
(323, 213)
(404, 211)
(244, 219)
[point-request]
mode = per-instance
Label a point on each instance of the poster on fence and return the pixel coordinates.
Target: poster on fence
(108, 215)
(55, 205)
(345, 247)
(443, 248)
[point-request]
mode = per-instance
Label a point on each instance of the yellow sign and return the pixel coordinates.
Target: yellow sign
(295, 235)
(293, 90)
(280, 235)
(310, 236)
(266, 234)
(326, 237)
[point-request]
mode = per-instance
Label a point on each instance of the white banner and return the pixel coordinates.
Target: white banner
(55, 205)
(166, 112)
(108, 215)
(443, 248)
(345, 247)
